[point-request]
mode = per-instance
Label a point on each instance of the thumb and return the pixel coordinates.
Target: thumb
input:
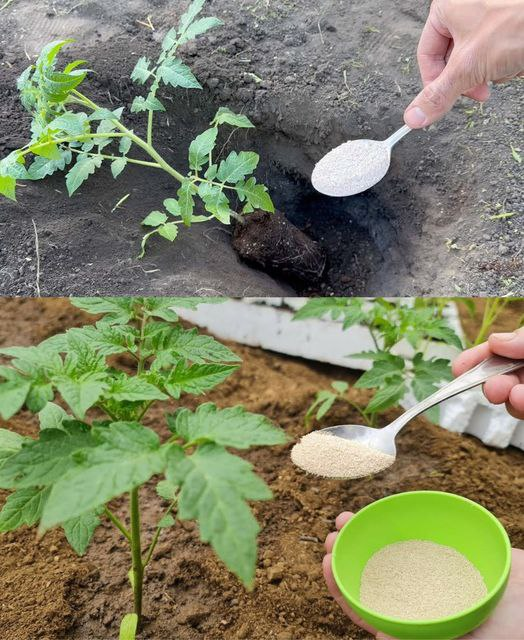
(510, 345)
(437, 97)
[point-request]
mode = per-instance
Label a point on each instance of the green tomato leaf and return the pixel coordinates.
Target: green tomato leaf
(380, 372)
(117, 166)
(141, 72)
(196, 378)
(127, 456)
(24, 506)
(175, 73)
(186, 201)
(189, 16)
(133, 389)
(82, 392)
(169, 231)
(80, 172)
(199, 27)
(116, 310)
(214, 488)
(13, 392)
(388, 396)
(79, 531)
(215, 201)
(52, 416)
(237, 166)
(72, 124)
(10, 443)
(232, 427)
(146, 104)
(256, 195)
(201, 147)
(43, 167)
(226, 116)
(172, 206)
(128, 627)
(42, 462)
(155, 219)
(8, 187)
(125, 145)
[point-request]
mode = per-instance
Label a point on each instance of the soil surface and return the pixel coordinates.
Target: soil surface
(311, 74)
(50, 594)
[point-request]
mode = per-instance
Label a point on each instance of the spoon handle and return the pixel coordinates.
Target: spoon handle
(398, 135)
(494, 366)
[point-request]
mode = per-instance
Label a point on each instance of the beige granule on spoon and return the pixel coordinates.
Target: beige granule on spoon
(333, 457)
(420, 580)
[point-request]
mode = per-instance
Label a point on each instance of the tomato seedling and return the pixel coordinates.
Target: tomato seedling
(391, 376)
(93, 447)
(71, 132)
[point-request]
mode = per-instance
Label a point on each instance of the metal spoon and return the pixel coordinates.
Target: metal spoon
(372, 164)
(384, 439)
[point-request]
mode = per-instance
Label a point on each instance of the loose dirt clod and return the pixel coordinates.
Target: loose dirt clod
(333, 457)
(420, 580)
(351, 168)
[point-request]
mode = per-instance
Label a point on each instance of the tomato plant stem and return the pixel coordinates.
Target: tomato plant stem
(118, 523)
(156, 537)
(144, 163)
(136, 553)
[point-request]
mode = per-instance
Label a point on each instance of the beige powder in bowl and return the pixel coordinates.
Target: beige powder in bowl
(333, 457)
(420, 580)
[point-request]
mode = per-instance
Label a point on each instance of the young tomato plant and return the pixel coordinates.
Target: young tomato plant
(92, 445)
(391, 376)
(71, 132)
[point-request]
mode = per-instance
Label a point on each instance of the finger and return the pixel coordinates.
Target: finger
(432, 50)
(330, 541)
(497, 390)
(480, 93)
(515, 405)
(339, 598)
(510, 345)
(470, 358)
(439, 96)
(342, 519)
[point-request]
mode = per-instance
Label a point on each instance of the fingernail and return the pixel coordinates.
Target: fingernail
(415, 117)
(504, 337)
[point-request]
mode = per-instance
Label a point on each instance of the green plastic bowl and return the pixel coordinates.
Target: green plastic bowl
(440, 517)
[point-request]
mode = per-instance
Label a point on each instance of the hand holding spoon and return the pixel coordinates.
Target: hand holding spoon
(384, 439)
(355, 166)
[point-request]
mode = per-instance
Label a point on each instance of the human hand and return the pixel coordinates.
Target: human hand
(507, 621)
(464, 45)
(508, 388)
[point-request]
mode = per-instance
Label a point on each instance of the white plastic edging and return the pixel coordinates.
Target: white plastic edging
(268, 323)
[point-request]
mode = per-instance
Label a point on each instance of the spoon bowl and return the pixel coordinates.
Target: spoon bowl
(355, 166)
(384, 439)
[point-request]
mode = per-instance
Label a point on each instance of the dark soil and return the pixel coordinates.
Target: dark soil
(311, 75)
(50, 594)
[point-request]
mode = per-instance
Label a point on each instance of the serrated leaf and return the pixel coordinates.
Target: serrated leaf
(191, 13)
(186, 201)
(116, 310)
(151, 103)
(133, 389)
(175, 73)
(226, 116)
(43, 167)
(52, 416)
(85, 166)
(387, 396)
(232, 427)
(336, 308)
(215, 201)
(201, 147)
(170, 344)
(103, 338)
(199, 27)
(117, 166)
(42, 462)
(79, 531)
(214, 488)
(141, 72)
(125, 145)
(40, 393)
(14, 389)
(49, 151)
(172, 206)
(380, 372)
(154, 219)
(340, 386)
(166, 522)
(257, 195)
(170, 39)
(106, 114)
(10, 443)
(196, 378)
(72, 124)
(82, 392)
(237, 166)
(23, 507)
(166, 490)
(128, 456)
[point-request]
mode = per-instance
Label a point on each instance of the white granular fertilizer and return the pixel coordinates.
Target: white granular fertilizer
(334, 457)
(420, 580)
(351, 168)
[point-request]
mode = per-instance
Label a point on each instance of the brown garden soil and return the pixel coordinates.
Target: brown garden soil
(311, 74)
(50, 594)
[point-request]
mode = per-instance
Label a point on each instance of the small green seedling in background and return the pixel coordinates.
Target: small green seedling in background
(70, 132)
(391, 376)
(93, 447)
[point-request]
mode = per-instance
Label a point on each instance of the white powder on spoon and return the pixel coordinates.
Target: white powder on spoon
(420, 580)
(351, 168)
(333, 457)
